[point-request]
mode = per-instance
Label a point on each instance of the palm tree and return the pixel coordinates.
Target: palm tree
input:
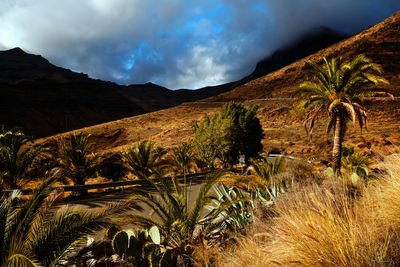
(180, 222)
(37, 233)
(77, 161)
(19, 163)
(267, 170)
(143, 160)
(183, 158)
(338, 91)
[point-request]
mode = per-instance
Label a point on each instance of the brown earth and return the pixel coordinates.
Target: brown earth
(283, 128)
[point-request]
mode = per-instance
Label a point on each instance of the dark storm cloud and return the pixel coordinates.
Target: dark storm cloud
(176, 43)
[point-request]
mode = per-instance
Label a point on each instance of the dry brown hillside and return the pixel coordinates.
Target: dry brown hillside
(381, 43)
(283, 129)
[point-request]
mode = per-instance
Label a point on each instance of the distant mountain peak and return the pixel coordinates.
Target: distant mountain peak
(15, 51)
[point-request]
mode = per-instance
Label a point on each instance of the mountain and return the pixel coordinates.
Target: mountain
(45, 99)
(284, 130)
(381, 43)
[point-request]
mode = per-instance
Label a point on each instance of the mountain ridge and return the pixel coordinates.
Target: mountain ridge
(53, 99)
(284, 130)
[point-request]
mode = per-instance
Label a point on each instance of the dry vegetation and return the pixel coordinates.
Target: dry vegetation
(283, 129)
(332, 224)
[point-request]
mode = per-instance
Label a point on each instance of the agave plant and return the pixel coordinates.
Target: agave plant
(37, 233)
(233, 207)
(20, 163)
(144, 160)
(181, 223)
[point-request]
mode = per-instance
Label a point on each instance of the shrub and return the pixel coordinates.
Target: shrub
(232, 131)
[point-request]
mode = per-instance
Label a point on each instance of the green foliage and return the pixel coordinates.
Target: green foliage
(338, 91)
(233, 208)
(20, 162)
(268, 195)
(180, 219)
(183, 158)
(355, 162)
(77, 161)
(36, 232)
(143, 160)
(112, 166)
(141, 248)
(267, 170)
(232, 131)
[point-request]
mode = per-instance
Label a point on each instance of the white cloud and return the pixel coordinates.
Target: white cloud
(181, 44)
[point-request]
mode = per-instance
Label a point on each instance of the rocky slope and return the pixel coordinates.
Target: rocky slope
(283, 129)
(381, 43)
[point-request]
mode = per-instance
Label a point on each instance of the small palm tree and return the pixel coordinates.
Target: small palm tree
(77, 161)
(37, 233)
(183, 158)
(19, 163)
(143, 160)
(338, 92)
(356, 162)
(180, 221)
(267, 170)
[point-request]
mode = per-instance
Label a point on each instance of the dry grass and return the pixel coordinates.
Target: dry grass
(327, 225)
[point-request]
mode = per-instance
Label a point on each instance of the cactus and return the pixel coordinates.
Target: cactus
(120, 243)
(141, 248)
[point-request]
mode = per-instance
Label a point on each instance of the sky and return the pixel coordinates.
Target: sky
(174, 43)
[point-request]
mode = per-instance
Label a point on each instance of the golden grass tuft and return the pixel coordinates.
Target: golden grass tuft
(331, 224)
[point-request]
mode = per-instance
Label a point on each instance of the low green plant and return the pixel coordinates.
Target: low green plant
(233, 207)
(78, 162)
(179, 218)
(20, 162)
(141, 248)
(266, 169)
(356, 162)
(37, 232)
(183, 158)
(144, 160)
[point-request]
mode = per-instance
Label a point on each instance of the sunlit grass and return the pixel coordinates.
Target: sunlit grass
(332, 224)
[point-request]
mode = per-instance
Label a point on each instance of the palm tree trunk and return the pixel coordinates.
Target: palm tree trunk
(337, 144)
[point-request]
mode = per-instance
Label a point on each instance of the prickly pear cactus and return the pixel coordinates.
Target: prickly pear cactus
(120, 243)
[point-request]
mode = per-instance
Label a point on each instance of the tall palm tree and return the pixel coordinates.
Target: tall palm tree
(37, 233)
(19, 163)
(181, 222)
(338, 91)
(144, 160)
(77, 161)
(183, 158)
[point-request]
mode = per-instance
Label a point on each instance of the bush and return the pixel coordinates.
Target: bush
(232, 131)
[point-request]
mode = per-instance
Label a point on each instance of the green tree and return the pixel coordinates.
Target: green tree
(77, 161)
(20, 162)
(232, 131)
(144, 160)
(338, 88)
(38, 233)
